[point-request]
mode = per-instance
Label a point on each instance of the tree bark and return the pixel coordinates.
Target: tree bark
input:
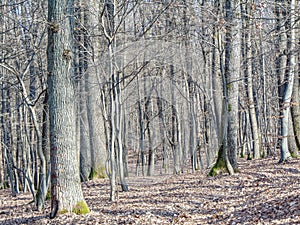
(249, 84)
(227, 152)
(232, 73)
(66, 192)
(288, 86)
(95, 119)
(295, 109)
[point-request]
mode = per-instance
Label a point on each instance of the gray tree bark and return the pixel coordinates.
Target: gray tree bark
(232, 75)
(66, 192)
(227, 152)
(95, 119)
(288, 86)
(249, 83)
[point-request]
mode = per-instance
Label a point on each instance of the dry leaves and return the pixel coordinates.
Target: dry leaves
(263, 193)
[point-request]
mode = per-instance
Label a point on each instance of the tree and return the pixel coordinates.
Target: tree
(66, 192)
(288, 84)
(249, 79)
(93, 90)
(228, 150)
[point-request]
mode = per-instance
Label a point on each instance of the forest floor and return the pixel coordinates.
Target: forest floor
(264, 192)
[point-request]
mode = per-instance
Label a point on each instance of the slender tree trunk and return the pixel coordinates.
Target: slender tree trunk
(295, 109)
(281, 58)
(92, 44)
(151, 156)
(174, 129)
(45, 139)
(249, 83)
(119, 132)
(142, 132)
(232, 73)
(84, 136)
(112, 150)
(288, 86)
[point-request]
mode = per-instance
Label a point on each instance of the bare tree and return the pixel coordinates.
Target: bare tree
(228, 151)
(288, 84)
(66, 193)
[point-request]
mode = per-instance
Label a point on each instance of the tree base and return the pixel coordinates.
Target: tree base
(220, 166)
(81, 208)
(98, 173)
(217, 170)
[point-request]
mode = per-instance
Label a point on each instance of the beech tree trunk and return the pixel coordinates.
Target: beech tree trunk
(288, 86)
(232, 73)
(227, 152)
(249, 84)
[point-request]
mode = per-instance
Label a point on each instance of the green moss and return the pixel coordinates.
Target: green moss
(220, 166)
(249, 157)
(4, 185)
(101, 172)
(213, 172)
(48, 195)
(92, 174)
(63, 211)
(242, 155)
(264, 154)
(228, 86)
(217, 169)
(98, 173)
(237, 170)
(229, 108)
(295, 155)
(81, 208)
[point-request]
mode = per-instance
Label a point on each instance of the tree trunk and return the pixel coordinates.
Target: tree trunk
(232, 73)
(288, 86)
(174, 124)
(66, 192)
(227, 153)
(295, 109)
(249, 84)
(95, 119)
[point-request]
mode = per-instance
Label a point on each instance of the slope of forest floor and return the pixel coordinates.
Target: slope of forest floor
(264, 192)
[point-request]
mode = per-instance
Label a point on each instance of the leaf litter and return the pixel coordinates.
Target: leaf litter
(264, 192)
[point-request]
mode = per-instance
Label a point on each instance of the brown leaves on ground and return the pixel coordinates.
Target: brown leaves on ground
(263, 193)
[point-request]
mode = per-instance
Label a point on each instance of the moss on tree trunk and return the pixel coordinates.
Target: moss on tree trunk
(80, 208)
(220, 165)
(99, 172)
